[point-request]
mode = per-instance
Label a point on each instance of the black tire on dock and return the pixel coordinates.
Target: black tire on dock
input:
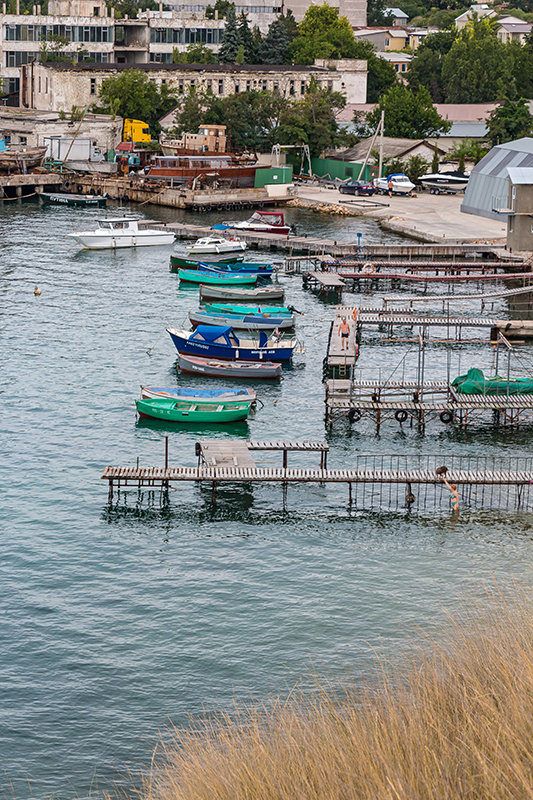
(195, 208)
(400, 415)
(79, 188)
(446, 417)
(354, 415)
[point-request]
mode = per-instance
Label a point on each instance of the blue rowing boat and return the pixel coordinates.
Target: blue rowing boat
(237, 269)
(221, 342)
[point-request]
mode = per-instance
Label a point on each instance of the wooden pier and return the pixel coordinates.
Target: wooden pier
(372, 480)
(450, 298)
(340, 362)
(416, 403)
(324, 283)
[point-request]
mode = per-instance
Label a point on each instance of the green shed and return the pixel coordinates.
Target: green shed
(273, 175)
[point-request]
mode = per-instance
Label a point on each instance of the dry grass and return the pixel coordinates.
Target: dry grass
(456, 722)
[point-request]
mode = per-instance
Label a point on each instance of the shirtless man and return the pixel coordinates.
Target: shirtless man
(454, 496)
(344, 331)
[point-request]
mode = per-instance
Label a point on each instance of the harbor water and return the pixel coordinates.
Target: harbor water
(116, 621)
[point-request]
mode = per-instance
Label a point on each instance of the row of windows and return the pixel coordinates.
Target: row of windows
(185, 35)
(18, 57)
(73, 33)
(261, 85)
(258, 9)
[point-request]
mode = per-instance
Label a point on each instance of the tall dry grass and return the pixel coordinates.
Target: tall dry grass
(455, 722)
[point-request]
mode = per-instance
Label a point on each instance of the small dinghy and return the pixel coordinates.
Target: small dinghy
(217, 245)
(171, 410)
(80, 200)
(272, 311)
(262, 295)
(223, 343)
(216, 278)
(239, 268)
(192, 263)
(229, 369)
(243, 322)
(199, 396)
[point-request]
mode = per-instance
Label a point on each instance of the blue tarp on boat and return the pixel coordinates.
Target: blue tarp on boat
(211, 333)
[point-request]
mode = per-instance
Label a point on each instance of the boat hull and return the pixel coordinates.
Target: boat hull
(196, 365)
(191, 263)
(265, 270)
(222, 309)
(169, 411)
(22, 159)
(231, 247)
(189, 276)
(247, 322)
(225, 352)
(199, 396)
(261, 295)
(82, 200)
(279, 230)
(91, 241)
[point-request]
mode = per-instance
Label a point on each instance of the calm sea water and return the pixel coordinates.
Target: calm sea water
(115, 621)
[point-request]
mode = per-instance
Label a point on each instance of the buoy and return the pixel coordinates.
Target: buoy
(36, 291)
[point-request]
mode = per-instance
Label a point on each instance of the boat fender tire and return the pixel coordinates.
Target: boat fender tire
(400, 415)
(354, 415)
(220, 207)
(67, 185)
(446, 417)
(368, 268)
(195, 208)
(79, 188)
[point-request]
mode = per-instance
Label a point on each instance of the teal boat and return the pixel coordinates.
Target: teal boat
(82, 200)
(171, 410)
(216, 278)
(227, 310)
(475, 382)
(192, 263)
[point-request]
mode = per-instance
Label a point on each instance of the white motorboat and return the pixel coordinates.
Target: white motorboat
(400, 184)
(213, 244)
(114, 232)
(262, 222)
(447, 182)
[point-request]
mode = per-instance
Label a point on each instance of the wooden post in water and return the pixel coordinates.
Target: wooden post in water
(166, 452)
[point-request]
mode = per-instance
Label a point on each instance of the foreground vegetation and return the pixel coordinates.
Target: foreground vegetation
(454, 722)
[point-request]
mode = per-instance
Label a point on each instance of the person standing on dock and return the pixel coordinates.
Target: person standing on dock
(389, 186)
(344, 332)
(454, 496)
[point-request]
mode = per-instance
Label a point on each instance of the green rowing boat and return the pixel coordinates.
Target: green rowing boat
(192, 263)
(219, 279)
(170, 410)
(222, 309)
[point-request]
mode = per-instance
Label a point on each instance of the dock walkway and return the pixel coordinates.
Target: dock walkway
(339, 362)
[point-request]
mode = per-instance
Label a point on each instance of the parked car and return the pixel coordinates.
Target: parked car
(357, 187)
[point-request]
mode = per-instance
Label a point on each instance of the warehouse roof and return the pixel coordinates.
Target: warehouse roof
(488, 187)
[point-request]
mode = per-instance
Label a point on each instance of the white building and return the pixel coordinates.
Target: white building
(59, 86)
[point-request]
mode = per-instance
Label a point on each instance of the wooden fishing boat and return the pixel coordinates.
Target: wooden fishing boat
(21, 158)
(199, 396)
(79, 200)
(223, 343)
(215, 278)
(238, 269)
(171, 410)
(244, 322)
(264, 294)
(229, 369)
(192, 263)
(228, 309)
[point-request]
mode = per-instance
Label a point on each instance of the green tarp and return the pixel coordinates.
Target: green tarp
(475, 382)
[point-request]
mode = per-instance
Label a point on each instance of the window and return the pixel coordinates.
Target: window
(46, 90)
(330, 85)
(221, 86)
(302, 87)
(265, 86)
(291, 87)
(209, 85)
(23, 140)
(387, 42)
(96, 11)
(248, 86)
(237, 87)
(39, 84)
(93, 85)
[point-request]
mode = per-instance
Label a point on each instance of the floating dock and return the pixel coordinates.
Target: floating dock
(388, 320)
(372, 480)
(340, 361)
(324, 283)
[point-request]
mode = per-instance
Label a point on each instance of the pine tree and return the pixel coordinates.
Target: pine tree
(246, 40)
(230, 38)
(275, 47)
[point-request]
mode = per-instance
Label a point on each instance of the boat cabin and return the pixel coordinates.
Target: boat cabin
(216, 334)
(117, 223)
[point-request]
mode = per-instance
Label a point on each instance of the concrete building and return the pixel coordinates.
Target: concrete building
(519, 211)
(400, 61)
(263, 12)
(481, 11)
(59, 86)
(384, 39)
(488, 187)
(512, 29)
(31, 128)
(398, 16)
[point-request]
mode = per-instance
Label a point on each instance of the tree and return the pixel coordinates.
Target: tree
(221, 6)
(322, 33)
(275, 45)
(426, 66)
(133, 94)
(408, 114)
(375, 13)
(435, 159)
(381, 76)
(477, 68)
(510, 121)
(474, 151)
(130, 8)
(230, 38)
(52, 49)
(194, 54)
(289, 23)
(246, 41)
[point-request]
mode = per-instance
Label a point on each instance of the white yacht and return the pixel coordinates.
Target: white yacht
(115, 232)
(213, 244)
(400, 184)
(447, 182)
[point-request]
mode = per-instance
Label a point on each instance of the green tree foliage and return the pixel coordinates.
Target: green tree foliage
(290, 24)
(435, 159)
(222, 6)
(414, 167)
(316, 112)
(375, 13)
(381, 76)
(472, 150)
(133, 94)
(130, 8)
(408, 114)
(194, 54)
(426, 66)
(477, 68)
(230, 38)
(191, 111)
(52, 49)
(246, 40)
(322, 33)
(510, 121)
(275, 46)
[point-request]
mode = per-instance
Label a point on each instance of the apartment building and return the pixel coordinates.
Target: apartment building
(59, 86)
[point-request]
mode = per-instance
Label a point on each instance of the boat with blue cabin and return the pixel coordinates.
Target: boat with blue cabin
(221, 342)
